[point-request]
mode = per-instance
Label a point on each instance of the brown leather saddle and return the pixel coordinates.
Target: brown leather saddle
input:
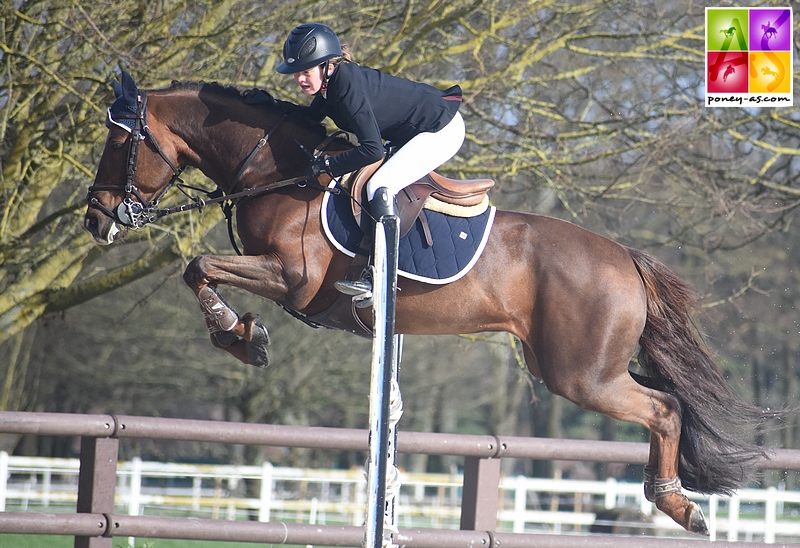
(411, 199)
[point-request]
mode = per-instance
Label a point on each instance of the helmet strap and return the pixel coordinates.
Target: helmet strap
(323, 89)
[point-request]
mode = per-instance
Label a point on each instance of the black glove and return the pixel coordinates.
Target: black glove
(318, 166)
(257, 96)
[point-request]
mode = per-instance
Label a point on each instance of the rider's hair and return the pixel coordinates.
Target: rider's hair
(345, 58)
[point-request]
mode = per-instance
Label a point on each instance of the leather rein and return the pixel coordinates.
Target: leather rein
(135, 212)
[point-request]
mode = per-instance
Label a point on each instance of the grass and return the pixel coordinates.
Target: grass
(52, 541)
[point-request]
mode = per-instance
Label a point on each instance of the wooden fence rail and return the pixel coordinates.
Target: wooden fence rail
(95, 524)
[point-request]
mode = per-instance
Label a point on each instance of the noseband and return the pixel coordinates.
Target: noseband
(134, 211)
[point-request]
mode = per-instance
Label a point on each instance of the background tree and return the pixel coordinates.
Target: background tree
(588, 111)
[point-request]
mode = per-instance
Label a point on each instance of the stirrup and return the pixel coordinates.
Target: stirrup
(355, 288)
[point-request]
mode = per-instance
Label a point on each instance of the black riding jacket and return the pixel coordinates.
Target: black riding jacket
(377, 107)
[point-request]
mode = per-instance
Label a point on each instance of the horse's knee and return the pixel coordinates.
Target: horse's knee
(195, 273)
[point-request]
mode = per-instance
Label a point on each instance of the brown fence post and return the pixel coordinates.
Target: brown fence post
(97, 482)
(480, 493)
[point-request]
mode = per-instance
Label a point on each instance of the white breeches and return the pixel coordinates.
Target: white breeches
(421, 155)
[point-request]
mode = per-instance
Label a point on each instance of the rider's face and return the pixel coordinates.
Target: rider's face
(310, 81)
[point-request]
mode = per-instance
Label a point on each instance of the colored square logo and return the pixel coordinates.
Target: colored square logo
(768, 73)
(749, 57)
(726, 29)
(727, 72)
(771, 29)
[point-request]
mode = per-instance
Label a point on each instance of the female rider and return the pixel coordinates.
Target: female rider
(421, 122)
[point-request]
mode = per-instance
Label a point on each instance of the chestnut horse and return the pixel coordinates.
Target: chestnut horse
(581, 305)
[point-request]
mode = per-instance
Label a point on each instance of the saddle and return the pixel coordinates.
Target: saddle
(451, 197)
(410, 201)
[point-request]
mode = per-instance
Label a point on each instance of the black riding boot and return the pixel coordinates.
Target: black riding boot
(361, 289)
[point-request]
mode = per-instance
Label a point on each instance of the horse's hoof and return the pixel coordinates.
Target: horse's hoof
(697, 521)
(257, 345)
(224, 338)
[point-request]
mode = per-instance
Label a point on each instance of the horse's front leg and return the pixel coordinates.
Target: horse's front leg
(244, 337)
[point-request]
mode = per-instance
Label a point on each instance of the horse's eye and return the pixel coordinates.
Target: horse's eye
(116, 145)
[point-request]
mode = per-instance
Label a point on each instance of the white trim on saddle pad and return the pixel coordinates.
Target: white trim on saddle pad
(478, 252)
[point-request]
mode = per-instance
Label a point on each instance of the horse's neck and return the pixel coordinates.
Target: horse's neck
(221, 136)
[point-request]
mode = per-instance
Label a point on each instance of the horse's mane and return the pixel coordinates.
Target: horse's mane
(213, 87)
(256, 97)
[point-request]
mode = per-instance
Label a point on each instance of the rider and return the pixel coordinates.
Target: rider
(421, 122)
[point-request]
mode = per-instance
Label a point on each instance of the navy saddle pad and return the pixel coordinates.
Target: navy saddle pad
(457, 241)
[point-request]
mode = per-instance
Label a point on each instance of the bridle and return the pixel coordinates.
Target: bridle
(134, 211)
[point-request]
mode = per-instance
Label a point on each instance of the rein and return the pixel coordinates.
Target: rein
(138, 212)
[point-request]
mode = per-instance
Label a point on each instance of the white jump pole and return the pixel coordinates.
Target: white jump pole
(385, 402)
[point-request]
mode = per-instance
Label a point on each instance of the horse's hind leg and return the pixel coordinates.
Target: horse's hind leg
(660, 413)
(621, 398)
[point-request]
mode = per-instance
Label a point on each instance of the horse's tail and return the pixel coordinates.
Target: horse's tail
(717, 454)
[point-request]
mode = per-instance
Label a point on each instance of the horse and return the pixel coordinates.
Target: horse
(769, 30)
(582, 305)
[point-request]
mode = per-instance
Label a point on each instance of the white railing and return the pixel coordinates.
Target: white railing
(339, 497)
(748, 515)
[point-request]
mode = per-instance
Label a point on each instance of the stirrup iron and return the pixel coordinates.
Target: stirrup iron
(354, 288)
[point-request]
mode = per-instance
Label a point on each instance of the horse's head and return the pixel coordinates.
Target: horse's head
(237, 140)
(135, 168)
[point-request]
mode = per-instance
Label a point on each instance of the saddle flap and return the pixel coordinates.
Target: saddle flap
(358, 183)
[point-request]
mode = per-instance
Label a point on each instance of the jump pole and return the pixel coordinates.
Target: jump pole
(385, 406)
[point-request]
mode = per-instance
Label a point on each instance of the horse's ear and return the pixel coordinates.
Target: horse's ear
(126, 103)
(128, 88)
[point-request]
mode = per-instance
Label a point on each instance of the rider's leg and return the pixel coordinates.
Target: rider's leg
(418, 157)
(422, 154)
(381, 204)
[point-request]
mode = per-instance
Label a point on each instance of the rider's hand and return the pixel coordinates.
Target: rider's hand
(318, 166)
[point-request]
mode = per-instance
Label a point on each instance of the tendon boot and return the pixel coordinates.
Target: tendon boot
(361, 289)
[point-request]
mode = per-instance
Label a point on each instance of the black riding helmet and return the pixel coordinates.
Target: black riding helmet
(308, 46)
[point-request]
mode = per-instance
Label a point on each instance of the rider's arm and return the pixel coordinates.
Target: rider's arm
(353, 113)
